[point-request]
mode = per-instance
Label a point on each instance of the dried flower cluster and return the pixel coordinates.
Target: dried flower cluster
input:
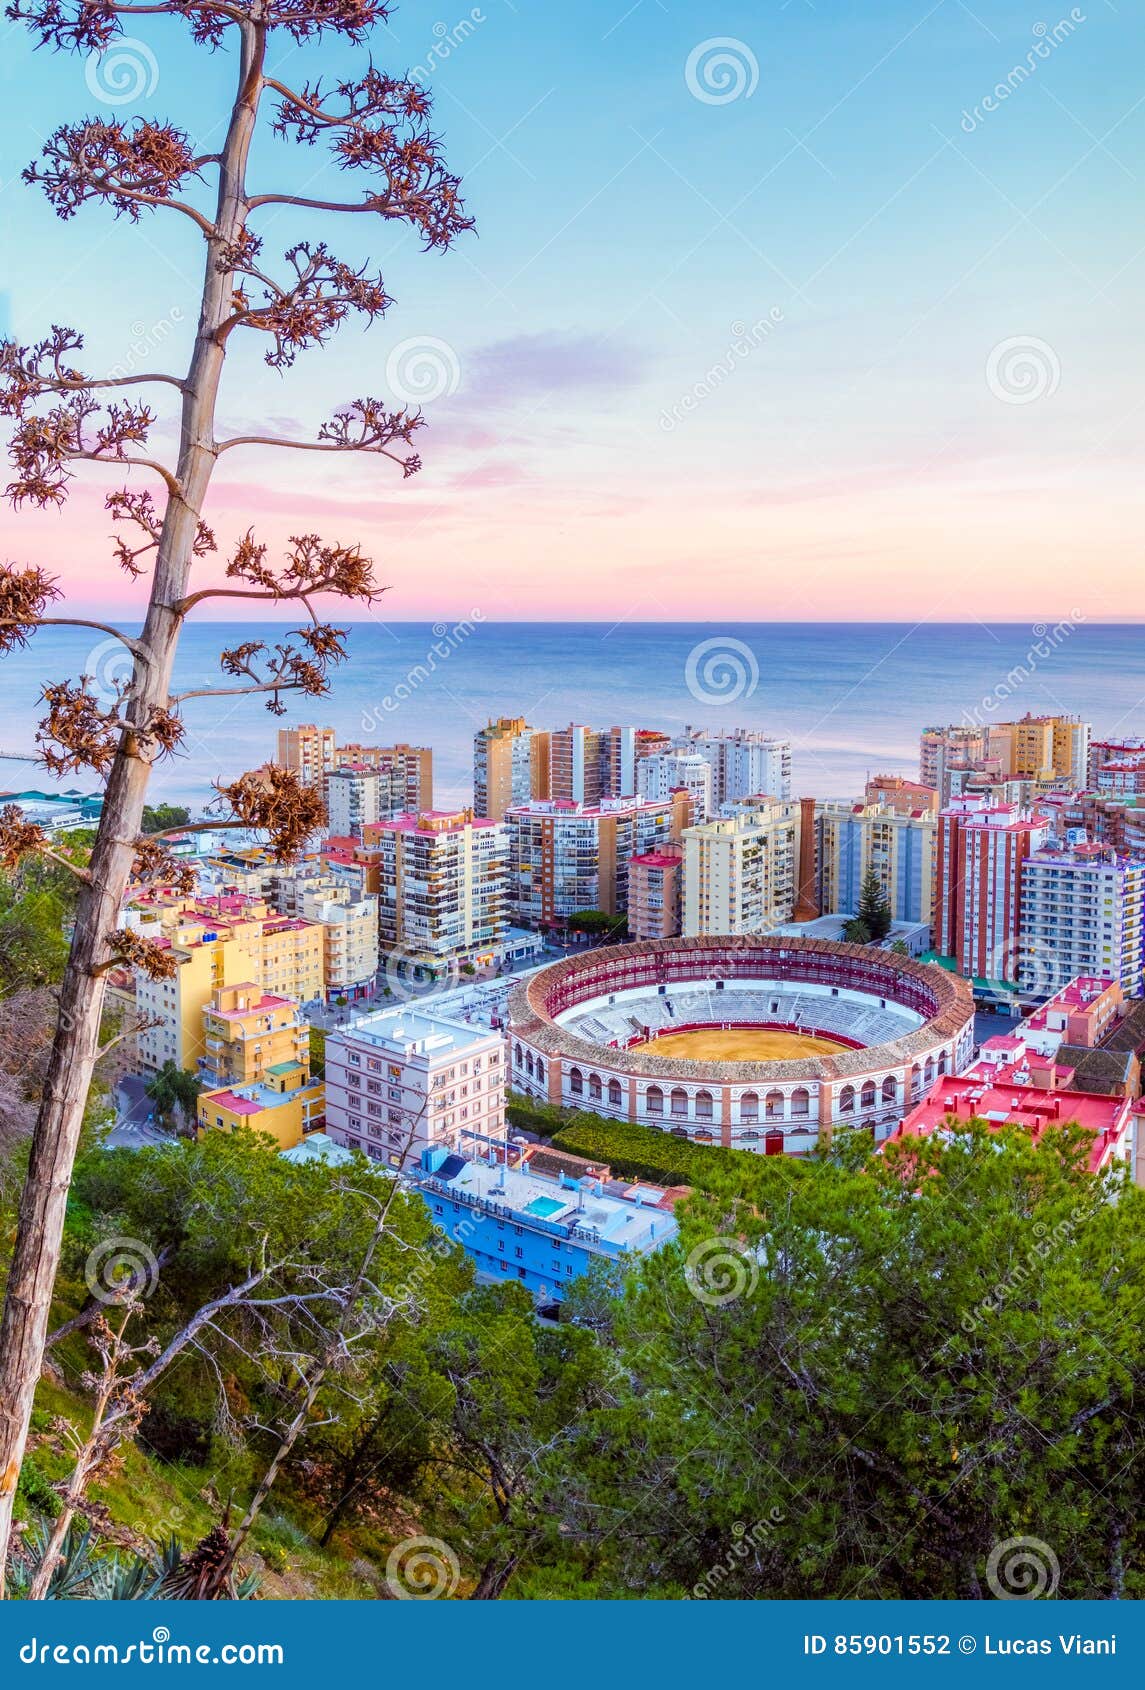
(276, 802)
(24, 596)
(18, 838)
(134, 951)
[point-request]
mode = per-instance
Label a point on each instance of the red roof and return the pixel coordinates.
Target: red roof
(1033, 1108)
(232, 1101)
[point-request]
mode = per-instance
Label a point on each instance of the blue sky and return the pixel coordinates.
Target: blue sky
(855, 459)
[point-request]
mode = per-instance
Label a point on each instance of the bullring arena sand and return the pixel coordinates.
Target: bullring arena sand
(740, 1044)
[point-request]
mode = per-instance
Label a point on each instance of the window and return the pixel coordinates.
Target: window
(518, 1252)
(614, 1093)
(654, 1100)
(576, 1082)
(703, 1106)
(749, 1106)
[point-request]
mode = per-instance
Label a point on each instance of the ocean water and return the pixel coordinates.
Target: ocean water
(852, 697)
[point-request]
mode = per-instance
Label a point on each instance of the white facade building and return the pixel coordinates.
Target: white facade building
(403, 1081)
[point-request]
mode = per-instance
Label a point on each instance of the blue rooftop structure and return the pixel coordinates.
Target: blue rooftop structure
(541, 1229)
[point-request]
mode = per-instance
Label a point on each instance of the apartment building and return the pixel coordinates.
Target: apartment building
(221, 941)
(910, 796)
(898, 845)
(664, 772)
(404, 1081)
(655, 884)
(313, 753)
(1083, 913)
(308, 750)
(745, 762)
(540, 1222)
(575, 757)
(1048, 751)
(741, 871)
(409, 769)
(443, 886)
(510, 766)
(285, 1103)
(978, 884)
(565, 857)
(249, 1034)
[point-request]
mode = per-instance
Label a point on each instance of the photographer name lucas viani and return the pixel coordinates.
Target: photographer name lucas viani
(1062, 1645)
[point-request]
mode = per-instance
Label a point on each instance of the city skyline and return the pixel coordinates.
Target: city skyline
(791, 320)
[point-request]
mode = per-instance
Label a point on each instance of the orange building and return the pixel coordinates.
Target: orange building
(248, 1032)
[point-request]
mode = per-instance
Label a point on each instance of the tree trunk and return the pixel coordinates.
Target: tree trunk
(36, 1254)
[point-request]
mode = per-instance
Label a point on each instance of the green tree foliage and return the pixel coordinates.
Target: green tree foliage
(158, 818)
(874, 911)
(175, 1093)
(859, 1383)
(318, 1052)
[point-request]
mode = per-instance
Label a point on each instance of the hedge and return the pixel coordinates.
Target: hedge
(636, 1152)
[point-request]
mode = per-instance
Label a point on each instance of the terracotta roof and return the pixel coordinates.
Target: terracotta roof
(949, 1005)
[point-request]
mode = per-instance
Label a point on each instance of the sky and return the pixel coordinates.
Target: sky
(774, 311)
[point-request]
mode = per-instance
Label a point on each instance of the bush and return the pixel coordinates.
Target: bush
(35, 1493)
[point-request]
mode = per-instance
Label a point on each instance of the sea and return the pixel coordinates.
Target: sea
(852, 697)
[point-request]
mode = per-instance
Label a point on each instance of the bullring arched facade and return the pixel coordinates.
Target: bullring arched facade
(769, 1107)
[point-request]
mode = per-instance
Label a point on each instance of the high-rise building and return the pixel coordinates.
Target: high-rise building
(741, 872)
(505, 765)
(403, 1080)
(409, 768)
(1083, 912)
(356, 796)
(618, 763)
(908, 796)
(655, 883)
(566, 857)
(1049, 751)
(978, 887)
(442, 887)
(899, 846)
(665, 771)
(1112, 749)
(308, 750)
(575, 757)
(746, 763)
(313, 753)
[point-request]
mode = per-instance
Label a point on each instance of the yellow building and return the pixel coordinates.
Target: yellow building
(220, 941)
(248, 1032)
(285, 1103)
(741, 872)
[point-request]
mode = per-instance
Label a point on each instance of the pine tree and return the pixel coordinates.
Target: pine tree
(874, 910)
